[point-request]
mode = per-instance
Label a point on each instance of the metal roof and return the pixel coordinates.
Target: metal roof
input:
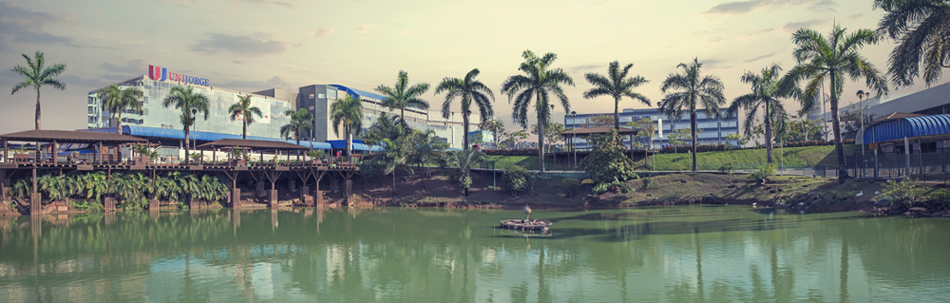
(357, 145)
(168, 133)
(907, 127)
(358, 93)
(68, 136)
(260, 144)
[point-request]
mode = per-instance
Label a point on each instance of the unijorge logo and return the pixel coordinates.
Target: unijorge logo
(161, 74)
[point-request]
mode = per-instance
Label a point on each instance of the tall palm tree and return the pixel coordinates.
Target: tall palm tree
(833, 59)
(34, 74)
(348, 112)
(402, 95)
(693, 91)
(616, 85)
(923, 29)
(766, 91)
(117, 100)
(187, 100)
(300, 122)
(468, 90)
(537, 83)
(244, 110)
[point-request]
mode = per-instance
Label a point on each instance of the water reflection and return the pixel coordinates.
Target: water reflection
(673, 254)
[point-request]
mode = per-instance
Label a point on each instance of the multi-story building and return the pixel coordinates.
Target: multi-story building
(273, 103)
(712, 130)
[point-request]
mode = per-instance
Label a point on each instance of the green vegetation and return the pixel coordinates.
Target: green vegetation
(763, 172)
(767, 91)
(467, 90)
(616, 85)
(35, 75)
(348, 112)
(300, 122)
(515, 179)
(117, 100)
(835, 59)
(190, 103)
(571, 186)
(921, 29)
(692, 91)
(537, 83)
(608, 162)
(402, 95)
(904, 193)
(243, 109)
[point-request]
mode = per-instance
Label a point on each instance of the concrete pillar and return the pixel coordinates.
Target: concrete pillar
(260, 189)
(109, 203)
(236, 198)
(347, 190)
(273, 198)
(292, 185)
(153, 203)
(317, 195)
(192, 203)
(305, 193)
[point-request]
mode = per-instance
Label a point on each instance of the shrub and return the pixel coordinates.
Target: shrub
(604, 187)
(762, 172)
(903, 193)
(646, 182)
(728, 167)
(608, 161)
(86, 205)
(571, 186)
(515, 179)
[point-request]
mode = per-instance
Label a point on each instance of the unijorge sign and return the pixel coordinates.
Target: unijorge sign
(161, 74)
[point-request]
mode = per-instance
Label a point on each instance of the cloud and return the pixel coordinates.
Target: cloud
(134, 67)
(742, 7)
(583, 68)
(19, 25)
(363, 28)
(243, 45)
(322, 32)
(759, 58)
(237, 62)
(758, 33)
(855, 16)
(794, 26)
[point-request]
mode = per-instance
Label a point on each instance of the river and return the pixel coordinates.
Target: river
(693, 253)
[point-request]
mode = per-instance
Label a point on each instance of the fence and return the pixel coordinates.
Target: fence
(892, 166)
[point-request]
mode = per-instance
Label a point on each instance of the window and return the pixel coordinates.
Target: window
(311, 96)
(145, 112)
(321, 96)
(91, 110)
(331, 94)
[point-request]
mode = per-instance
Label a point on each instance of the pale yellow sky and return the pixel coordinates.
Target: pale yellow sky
(259, 44)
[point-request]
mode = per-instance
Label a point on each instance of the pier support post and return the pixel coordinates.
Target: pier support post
(305, 194)
(36, 203)
(109, 203)
(292, 184)
(273, 198)
(236, 197)
(348, 189)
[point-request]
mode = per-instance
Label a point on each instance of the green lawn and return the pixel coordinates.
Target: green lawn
(795, 157)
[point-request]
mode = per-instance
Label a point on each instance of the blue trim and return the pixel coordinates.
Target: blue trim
(358, 93)
(908, 127)
(167, 133)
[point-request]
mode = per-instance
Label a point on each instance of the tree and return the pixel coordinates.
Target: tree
(693, 91)
(537, 83)
(677, 136)
(468, 90)
(646, 131)
(34, 74)
(599, 121)
(851, 121)
(385, 127)
(402, 95)
(766, 91)
(832, 59)
(496, 126)
(187, 100)
(117, 100)
(923, 29)
(463, 161)
(735, 136)
(607, 162)
(348, 112)
(552, 134)
(514, 137)
(616, 85)
(245, 111)
(300, 122)
(396, 154)
(426, 146)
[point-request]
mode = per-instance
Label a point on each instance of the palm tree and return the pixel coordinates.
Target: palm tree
(766, 90)
(349, 112)
(616, 85)
(401, 96)
(396, 154)
(923, 29)
(300, 121)
(468, 90)
(35, 75)
(693, 90)
(244, 110)
(191, 103)
(117, 100)
(536, 84)
(832, 59)
(463, 161)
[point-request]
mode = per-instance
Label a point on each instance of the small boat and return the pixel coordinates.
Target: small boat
(525, 224)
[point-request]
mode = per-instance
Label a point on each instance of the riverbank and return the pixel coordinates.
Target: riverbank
(790, 192)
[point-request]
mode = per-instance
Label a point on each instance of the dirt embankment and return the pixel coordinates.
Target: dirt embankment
(793, 192)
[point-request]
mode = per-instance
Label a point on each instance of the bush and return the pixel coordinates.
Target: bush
(571, 186)
(604, 187)
(86, 205)
(515, 179)
(728, 167)
(903, 193)
(762, 172)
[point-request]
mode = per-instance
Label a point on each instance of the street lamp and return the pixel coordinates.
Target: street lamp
(574, 137)
(862, 95)
(195, 122)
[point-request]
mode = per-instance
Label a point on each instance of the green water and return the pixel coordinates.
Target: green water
(665, 254)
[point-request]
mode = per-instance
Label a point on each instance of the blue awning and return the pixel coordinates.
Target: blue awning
(168, 133)
(357, 145)
(908, 127)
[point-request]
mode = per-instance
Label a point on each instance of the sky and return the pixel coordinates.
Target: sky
(253, 45)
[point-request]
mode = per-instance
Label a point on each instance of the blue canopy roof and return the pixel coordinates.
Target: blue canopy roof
(357, 145)
(358, 93)
(908, 127)
(168, 133)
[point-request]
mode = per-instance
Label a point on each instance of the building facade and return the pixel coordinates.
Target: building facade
(316, 98)
(712, 130)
